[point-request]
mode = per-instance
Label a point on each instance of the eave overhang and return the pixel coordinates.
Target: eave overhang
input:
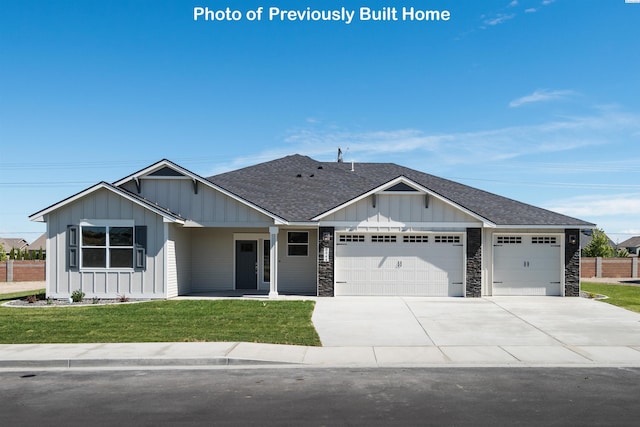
(165, 214)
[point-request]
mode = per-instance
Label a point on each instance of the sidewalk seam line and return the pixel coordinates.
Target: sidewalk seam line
(416, 319)
(525, 321)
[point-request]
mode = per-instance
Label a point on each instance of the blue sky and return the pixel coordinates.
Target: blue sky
(536, 100)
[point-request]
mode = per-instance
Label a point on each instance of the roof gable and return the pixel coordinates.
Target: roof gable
(9, 243)
(403, 185)
(166, 214)
(633, 242)
(165, 169)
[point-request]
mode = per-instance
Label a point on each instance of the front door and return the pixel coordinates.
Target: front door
(246, 264)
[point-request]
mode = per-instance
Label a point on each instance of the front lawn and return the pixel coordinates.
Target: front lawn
(278, 322)
(16, 295)
(623, 296)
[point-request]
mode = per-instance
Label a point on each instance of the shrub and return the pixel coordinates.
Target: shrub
(32, 298)
(77, 295)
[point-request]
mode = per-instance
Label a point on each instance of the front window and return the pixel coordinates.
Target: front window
(107, 247)
(298, 243)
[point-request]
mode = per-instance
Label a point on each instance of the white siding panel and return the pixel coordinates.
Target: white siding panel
(208, 205)
(297, 274)
(212, 260)
(172, 270)
(400, 208)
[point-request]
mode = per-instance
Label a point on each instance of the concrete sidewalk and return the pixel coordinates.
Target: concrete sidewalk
(11, 287)
(394, 332)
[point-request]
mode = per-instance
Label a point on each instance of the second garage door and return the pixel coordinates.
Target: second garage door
(399, 264)
(526, 265)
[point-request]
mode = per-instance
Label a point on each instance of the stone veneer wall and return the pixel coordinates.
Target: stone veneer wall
(325, 268)
(571, 263)
(474, 262)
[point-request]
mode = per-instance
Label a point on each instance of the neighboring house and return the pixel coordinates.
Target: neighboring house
(632, 245)
(299, 226)
(40, 242)
(9, 243)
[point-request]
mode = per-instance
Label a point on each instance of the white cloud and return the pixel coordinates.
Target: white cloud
(599, 205)
(499, 19)
(541, 95)
(547, 2)
(530, 10)
(458, 148)
(514, 3)
(617, 214)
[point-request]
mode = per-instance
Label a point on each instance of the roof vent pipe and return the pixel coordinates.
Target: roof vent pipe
(352, 169)
(339, 155)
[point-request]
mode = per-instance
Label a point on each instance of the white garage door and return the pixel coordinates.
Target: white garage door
(526, 265)
(399, 264)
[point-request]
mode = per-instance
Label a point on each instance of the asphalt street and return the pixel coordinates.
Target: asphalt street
(317, 397)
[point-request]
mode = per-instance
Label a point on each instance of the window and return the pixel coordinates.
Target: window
(106, 246)
(383, 239)
(511, 240)
(419, 238)
(543, 240)
(297, 243)
(351, 238)
(447, 239)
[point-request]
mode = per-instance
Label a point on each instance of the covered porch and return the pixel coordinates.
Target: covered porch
(233, 262)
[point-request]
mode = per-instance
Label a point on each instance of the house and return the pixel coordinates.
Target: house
(16, 243)
(39, 243)
(300, 226)
(632, 245)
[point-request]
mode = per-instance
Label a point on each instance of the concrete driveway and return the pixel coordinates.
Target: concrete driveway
(535, 329)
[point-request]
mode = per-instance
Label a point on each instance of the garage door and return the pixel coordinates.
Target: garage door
(526, 265)
(399, 264)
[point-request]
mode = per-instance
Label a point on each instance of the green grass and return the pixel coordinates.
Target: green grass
(16, 295)
(623, 296)
(278, 322)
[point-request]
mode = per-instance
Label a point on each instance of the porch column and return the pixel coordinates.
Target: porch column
(273, 262)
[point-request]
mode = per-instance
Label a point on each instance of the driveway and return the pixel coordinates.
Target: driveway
(492, 321)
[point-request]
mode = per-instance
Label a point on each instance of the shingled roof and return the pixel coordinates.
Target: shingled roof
(633, 242)
(298, 188)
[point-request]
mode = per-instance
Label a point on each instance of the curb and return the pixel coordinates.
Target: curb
(110, 363)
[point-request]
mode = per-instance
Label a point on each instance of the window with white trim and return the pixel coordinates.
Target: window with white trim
(415, 238)
(106, 246)
(298, 243)
(544, 240)
(383, 238)
(446, 238)
(351, 238)
(509, 240)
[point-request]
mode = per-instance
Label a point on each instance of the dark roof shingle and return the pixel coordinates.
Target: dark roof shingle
(298, 188)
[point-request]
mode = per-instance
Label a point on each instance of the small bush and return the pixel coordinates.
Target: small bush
(77, 295)
(32, 298)
(95, 300)
(123, 298)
